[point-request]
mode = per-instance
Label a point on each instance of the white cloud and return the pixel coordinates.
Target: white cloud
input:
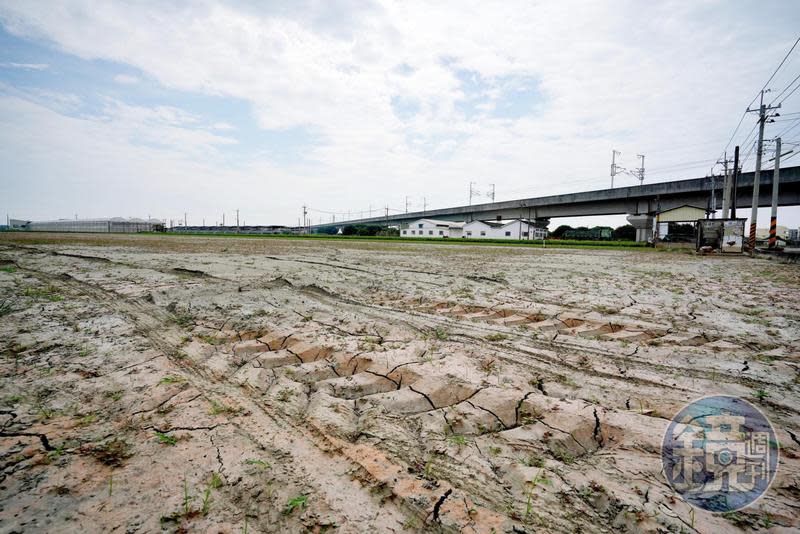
(126, 79)
(625, 75)
(25, 66)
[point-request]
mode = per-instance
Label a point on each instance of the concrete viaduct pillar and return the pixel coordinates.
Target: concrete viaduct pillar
(643, 225)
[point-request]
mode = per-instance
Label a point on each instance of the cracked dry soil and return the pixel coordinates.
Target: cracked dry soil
(270, 385)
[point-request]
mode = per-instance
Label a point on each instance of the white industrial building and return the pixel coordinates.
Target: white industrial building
(432, 228)
(515, 229)
(112, 225)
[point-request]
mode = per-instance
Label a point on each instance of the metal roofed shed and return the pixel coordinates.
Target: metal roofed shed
(677, 227)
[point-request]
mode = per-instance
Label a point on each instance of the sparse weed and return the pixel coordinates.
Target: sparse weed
(497, 336)
(12, 400)
(114, 395)
(440, 334)
(534, 460)
(219, 408)
(46, 293)
(298, 502)
(761, 394)
(562, 455)
(489, 366)
(87, 419)
(261, 464)
(211, 340)
(183, 319)
(171, 380)
(112, 453)
(166, 439)
(284, 395)
(458, 440)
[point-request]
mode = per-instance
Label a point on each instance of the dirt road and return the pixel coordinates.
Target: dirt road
(263, 385)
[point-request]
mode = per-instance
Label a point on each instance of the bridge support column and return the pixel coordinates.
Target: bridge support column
(643, 225)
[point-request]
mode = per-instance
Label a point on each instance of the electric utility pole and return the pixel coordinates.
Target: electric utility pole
(734, 181)
(424, 205)
(237, 217)
(491, 195)
(185, 219)
(776, 179)
(472, 191)
(406, 204)
(726, 189)
(762, 119)
(614, 168)
(640, 170)
(305, 213)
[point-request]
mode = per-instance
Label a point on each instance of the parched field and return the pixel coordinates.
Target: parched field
(259, 385)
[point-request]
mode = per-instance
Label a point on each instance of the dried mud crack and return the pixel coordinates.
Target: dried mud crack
(224, 384)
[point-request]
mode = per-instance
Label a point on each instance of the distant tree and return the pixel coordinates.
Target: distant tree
(329, 230)
(582, 229)
(389, 231)
(350, 230)
(624, 233)
(559, 232)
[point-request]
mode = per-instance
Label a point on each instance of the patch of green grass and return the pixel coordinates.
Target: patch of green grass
(183, 319)
(497, 336)
(8, 269)
(87, 419)
(112, 453)
(298, 502)
(440, 334)
(219, 408)
(114, 395)
(171, 380)
(211, 340)
(261, 464)
(49, 293)
(563, 455)
(216, 481)
(534, 460)
(284, 395)
(11, 400)
(166, 439)
(569, 243)
(458, 440)
(761, 394)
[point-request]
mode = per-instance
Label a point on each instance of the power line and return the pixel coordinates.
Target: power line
(744, 114)
(785, 89)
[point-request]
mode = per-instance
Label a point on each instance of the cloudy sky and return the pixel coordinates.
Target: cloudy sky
(158, 108)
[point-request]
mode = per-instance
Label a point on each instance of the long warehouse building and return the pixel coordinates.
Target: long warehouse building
(112, 225)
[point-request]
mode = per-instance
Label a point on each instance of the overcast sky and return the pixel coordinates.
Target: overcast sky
(155, 108)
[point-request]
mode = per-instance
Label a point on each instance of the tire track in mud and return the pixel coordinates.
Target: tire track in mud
(349, 497)
(307, 445)
(539, 352)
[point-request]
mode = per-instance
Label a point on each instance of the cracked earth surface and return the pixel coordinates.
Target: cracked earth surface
(270, 385)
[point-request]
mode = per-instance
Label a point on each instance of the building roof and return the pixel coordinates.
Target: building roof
(501, 224)
(438, 222)
(685, 213)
